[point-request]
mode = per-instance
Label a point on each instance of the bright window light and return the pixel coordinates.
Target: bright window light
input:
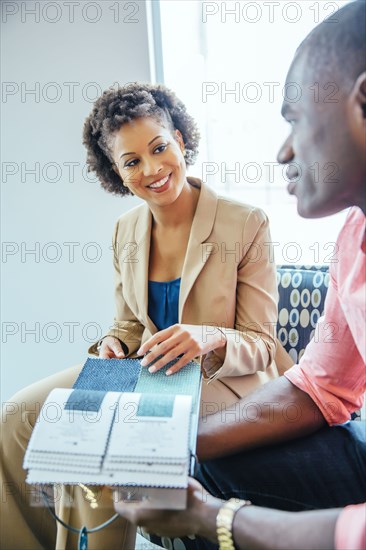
(228, 62)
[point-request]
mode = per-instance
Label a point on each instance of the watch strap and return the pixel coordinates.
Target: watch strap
(224, 522)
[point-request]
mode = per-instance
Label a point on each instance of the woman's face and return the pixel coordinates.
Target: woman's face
(150, 161)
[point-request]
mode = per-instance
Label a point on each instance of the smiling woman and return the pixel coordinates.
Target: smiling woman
(153, 167)
(126, 107)
(140, 140)
(193, 279)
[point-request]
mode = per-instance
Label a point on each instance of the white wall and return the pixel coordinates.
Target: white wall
(71, 294)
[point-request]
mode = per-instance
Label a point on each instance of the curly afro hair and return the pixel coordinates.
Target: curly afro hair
(119, 106)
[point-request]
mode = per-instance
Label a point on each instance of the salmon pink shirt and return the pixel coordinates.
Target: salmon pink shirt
(333, 368)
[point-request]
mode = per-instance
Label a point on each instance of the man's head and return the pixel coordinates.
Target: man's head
(326, 150)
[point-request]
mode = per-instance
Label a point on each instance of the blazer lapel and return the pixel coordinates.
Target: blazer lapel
(198, 251)
(139, 266)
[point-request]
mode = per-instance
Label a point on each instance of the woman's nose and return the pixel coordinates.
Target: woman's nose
(151, 167)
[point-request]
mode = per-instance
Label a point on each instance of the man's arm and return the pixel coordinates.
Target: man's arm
(253, 527)
(278, 411)
(265, 528)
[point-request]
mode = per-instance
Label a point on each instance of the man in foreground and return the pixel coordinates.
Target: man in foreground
(288, 448)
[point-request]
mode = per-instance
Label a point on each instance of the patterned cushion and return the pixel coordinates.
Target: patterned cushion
(302, 291)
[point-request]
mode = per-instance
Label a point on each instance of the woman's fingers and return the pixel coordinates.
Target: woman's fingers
(186, 358)
(177, 351)
(156, 339)
(165, 352)
(111, 349)
(181, 345)
(179, 341)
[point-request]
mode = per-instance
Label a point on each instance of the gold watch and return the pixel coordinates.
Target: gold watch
(224, 522)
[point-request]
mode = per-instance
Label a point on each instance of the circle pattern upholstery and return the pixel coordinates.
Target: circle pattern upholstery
(302, 291)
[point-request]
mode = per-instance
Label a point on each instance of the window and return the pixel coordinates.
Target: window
(228, 62)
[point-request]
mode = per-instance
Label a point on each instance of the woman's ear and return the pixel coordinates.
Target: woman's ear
(179, 139)
(115, 169)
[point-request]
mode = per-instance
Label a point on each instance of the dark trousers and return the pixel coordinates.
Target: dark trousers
(323, 470)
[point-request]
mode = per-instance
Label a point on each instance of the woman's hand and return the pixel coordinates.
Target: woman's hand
(111, 348)
(187, 341)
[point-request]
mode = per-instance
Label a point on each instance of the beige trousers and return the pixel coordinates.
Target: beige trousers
(28, 527)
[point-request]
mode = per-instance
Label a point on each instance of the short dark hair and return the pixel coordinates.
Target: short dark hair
(118, 106)
(336, 48)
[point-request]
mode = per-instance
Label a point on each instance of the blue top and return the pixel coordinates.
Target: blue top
(163, 303)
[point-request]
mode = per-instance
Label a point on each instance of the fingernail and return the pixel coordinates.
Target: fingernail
(139, 352)
(152, 370)
(168, 372)
(143, 362)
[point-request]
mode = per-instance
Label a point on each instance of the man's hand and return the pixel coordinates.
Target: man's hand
(187, 341)
(111, 348)
(199, 518)
(253, 527)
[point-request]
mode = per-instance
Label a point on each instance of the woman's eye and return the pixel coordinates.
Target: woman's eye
(130, 163)
(160, 148)
(133, 162)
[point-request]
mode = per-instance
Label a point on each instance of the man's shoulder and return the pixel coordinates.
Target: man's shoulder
(356, 220)
(352, 235)
(349, 258)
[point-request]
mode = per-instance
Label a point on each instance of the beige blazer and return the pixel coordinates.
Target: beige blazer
(228, 282)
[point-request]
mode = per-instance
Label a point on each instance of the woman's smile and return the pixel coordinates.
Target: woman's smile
(160, 185)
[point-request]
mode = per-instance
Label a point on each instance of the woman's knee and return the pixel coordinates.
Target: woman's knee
(19, 416)
(20, 412)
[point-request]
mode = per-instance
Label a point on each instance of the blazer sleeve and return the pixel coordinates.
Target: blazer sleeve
(251, 343)
(126, 327)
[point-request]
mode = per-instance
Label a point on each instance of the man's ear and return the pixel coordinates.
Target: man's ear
(358, 95)
(357, 110)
